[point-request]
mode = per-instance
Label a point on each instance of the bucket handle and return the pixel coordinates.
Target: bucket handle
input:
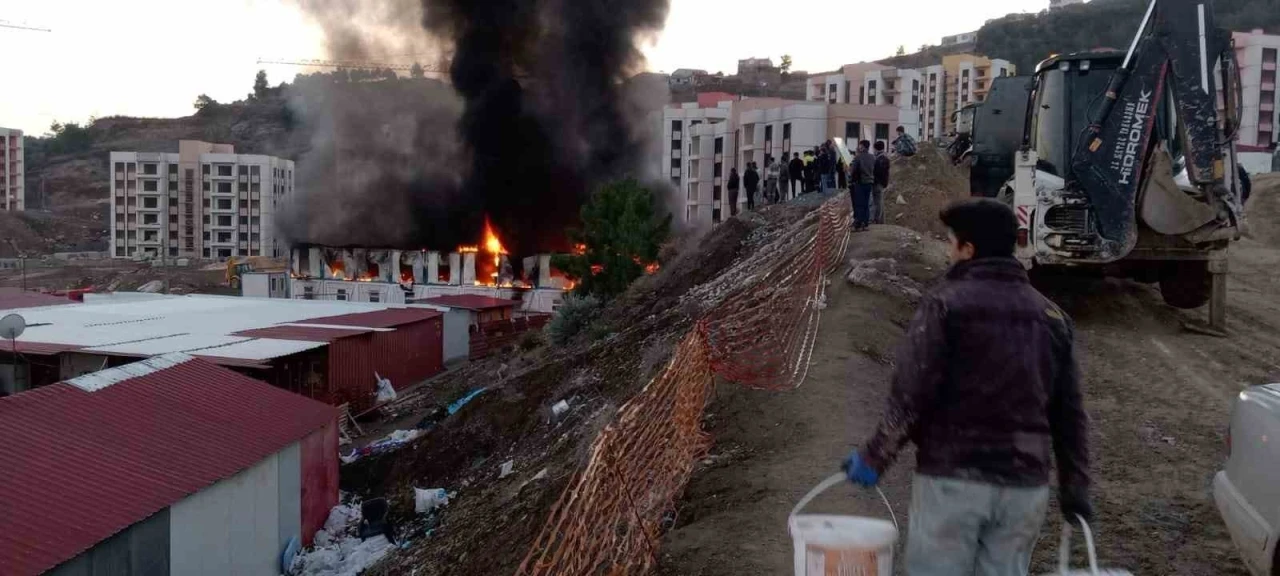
(1064, 547)
(838, 479)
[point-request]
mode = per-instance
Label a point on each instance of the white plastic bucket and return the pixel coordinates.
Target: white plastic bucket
(1064, 555)
(829, 545)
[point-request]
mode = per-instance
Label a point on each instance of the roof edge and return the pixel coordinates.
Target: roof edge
(105, 378)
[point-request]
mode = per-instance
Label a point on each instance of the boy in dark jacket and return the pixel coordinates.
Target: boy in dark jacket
(986, 386)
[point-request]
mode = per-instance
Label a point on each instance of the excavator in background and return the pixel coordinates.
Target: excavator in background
(1127, 161)
(237, 267)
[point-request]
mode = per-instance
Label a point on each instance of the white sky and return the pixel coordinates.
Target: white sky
(153, 57)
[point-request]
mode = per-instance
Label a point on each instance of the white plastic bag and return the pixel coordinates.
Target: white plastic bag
(386, 392)
(427, 500)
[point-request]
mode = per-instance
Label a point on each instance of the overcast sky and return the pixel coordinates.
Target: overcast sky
(153, 57)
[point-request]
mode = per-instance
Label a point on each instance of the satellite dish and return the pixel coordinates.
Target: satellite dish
(12, 326)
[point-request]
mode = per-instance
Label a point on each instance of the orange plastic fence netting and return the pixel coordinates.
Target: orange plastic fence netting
(760, 333)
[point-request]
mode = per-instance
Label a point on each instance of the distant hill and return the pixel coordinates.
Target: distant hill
(1026, 39)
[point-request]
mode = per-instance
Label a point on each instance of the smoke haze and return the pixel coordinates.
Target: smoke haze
(537, 112)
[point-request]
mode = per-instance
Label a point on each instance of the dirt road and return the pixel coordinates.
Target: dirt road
(1160, 399)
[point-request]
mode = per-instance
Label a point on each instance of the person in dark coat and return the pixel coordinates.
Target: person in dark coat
(862, 179)
(842, 174)
(733, 191)
(987, 387)
(796, 171)
(752, 182)
(882, 182)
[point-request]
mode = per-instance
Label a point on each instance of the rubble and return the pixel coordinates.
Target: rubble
(881, 274)
(338, 551)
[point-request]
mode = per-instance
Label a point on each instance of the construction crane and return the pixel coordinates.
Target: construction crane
(7, 24)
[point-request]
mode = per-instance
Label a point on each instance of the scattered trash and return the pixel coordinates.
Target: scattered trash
(427, 500)
(506, 469)
(388, 443)
(338, 551)
(459, 403)
(386, 392)
(559, 408)
(902, 200)
(539, 476)
(152, 287)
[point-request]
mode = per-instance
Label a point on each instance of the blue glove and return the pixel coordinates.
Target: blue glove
(859, 472)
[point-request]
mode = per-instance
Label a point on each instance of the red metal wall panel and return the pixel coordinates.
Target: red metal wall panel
(411, 354)
(350, 377)
(319, 479)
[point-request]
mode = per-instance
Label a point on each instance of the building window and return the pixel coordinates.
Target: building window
(871, 86)
(719, 148)
(375, 296)
(675, 163)
(150, 236)
(206, 219)
(151, 219)
(871, 99)
(120, 251)
(715, 215)
(342, 294)
(254, 238)
(224, 237)
(786, 131)
(862, 94)
(768, 133)
(149, 169)
(675, 125)
(120, 167)
(852, 132)
(150, 186)
(715, 193)
(224, 187)
(206, 252)
(173, 169)
(847, 88)
(254, 170)
(675, 144)
(253, 220)
(224, 220)
(205, 186)
(244, 187)
(150, 202)
(244, 170)
(882, 131)
(308, 293)
(717, 170)
(224, 170)
(204, 169)
(224, 203)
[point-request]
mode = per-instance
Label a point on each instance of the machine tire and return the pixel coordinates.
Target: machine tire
(1186, 284)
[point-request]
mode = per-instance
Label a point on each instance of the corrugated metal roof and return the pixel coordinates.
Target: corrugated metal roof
(39, 348)
(80, 466)
(125, 318)
(262, 349)
(17, 299)
(469, 302)
(303, 332)
(389, 318)
(179, 343)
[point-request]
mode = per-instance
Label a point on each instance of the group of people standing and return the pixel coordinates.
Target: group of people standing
(823, 170)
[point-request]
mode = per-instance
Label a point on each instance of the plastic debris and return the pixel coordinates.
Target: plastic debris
(386, 392)
(427, 500)
(506, 469)
(388, 443)
(338, 551)
(459, 403)
(559, 408)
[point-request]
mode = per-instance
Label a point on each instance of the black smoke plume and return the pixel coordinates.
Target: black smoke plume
(536, 113)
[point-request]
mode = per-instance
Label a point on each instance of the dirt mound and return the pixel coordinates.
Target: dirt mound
(1263, 211)
(920, 187)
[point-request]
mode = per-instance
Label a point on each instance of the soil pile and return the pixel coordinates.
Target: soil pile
(1263, 211)
(920, 187)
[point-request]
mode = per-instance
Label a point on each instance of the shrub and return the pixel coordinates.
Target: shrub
(575, 314)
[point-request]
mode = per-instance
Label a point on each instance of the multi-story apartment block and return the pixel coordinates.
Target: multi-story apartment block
(899, 88)
(933, 101)
(969, 79)
(1256, 53)
(11, 172)
(206, 201)
(701, 145)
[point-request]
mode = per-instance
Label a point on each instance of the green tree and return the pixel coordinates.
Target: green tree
(203, 101)
(621, 233)
(785, 64)
(69, 137)
(416, 71)
(902, 51)
(260, 86)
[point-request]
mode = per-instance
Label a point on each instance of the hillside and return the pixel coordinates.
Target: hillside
(1025, 39)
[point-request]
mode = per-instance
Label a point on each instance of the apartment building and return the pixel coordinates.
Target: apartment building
(844, 86)
(205, 201)
(702, 144)
(969, 80)
(1256, 53)
(11, 172)
(965, 38)
(933, 102)
(899, 88)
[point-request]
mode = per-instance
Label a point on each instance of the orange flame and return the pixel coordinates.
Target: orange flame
(468, 249)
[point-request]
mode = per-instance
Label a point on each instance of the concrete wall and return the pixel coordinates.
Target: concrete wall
(236, 525)
(139, 550)
(255, 285)
(347, 291)
(456, 340)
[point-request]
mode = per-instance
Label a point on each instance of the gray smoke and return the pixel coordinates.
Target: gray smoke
(538, 112)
